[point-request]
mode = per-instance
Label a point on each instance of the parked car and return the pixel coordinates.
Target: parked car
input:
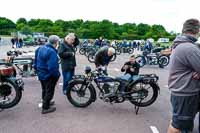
(41, 40)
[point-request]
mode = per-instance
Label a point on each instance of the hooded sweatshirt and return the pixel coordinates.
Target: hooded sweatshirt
(185, 60)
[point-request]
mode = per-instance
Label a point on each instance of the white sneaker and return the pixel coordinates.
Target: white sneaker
(40, 105)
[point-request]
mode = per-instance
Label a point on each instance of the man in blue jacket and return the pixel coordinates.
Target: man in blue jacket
(47, 68)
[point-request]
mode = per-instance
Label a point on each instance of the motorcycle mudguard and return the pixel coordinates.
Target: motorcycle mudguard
(18, 82)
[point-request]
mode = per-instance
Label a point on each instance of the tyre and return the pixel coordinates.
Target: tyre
(130, 51)
(145, 95)
(10, 94)
(163, 61)
(139, 59)
(91, 58)
(82, 51)
(118, 51)
(113, 58)
(74, 91)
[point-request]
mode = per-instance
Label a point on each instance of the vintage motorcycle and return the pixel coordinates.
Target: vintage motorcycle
(155, 58)
(23, 61)
(10, 86)
(141, 92)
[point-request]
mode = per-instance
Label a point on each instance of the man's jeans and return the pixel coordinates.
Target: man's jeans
(67, 76)
(125, 79)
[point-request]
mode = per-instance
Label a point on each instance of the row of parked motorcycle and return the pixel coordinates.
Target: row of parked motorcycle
(158, 56)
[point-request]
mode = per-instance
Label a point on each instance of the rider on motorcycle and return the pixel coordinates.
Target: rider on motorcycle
(131, 69)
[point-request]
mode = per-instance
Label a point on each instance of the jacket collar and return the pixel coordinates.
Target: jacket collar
(51, 46)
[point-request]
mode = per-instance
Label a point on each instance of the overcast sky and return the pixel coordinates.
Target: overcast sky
(169, 13)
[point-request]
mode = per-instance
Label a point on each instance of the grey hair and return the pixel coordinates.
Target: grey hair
(53, 39)
(111, 49)
(70, 35)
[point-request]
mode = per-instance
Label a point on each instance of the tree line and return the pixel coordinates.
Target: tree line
(85, 29)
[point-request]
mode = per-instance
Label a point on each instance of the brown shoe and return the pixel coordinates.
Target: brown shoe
(50, 110)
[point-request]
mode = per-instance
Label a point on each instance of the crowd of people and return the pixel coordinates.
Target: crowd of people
(184, 72)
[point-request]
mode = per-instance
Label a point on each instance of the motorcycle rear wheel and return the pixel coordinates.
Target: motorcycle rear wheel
(143, 93)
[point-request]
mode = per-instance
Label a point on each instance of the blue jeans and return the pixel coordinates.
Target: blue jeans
(67, 76)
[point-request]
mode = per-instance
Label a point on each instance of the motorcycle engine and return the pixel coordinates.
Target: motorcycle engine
(106, 87)
(110, 87)
(5, 90)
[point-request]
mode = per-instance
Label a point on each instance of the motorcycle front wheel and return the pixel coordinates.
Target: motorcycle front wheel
(10, 94)
(91, 57)
(77, 96)
(139, 59)
(163, 61)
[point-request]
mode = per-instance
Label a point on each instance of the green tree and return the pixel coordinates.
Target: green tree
(6, 26)
(21, 20)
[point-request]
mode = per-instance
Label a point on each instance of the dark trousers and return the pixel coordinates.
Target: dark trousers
(48, 88)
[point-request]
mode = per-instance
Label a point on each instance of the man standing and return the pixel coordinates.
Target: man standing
(66, 52)
(47, 68)
(184, 81)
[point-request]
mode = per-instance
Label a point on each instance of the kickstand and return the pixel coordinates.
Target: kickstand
(137, 108)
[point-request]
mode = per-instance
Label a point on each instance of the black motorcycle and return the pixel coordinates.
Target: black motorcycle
(141, 92)
(154, 58)
(10, 86)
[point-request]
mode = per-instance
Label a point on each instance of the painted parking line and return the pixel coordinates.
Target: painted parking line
(154, 129)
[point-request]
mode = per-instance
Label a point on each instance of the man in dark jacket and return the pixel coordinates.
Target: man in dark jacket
(131, 67)
(47, 68)
(66, 52)
(103, 57)
(183, 82)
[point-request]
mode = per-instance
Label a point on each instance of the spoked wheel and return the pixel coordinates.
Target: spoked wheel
(10, 95)
(91, 58)
(163, 61)
(82, 51)
(130, 51)
(139, 59)
(79, 97)
(145, 94)
(118, 51)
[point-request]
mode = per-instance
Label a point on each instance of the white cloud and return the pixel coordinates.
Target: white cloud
(169, 13)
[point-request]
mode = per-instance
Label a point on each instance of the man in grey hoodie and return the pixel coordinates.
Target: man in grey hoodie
(184, 82)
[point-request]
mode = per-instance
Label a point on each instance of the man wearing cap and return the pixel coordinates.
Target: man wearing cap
(183, 80)
(47, 68)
